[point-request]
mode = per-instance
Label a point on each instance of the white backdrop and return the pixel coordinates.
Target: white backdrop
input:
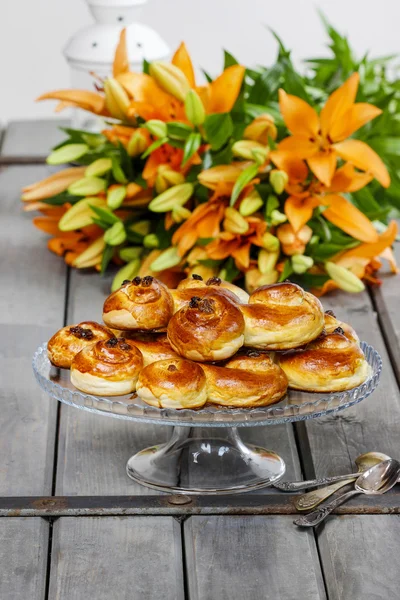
(33, 33)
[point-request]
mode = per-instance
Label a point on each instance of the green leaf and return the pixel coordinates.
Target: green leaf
(323, 252)
(309, 280)
(146, 67)
(272, 203)
(179, 131)
(207, 76)
(287, 271)
(192, 144)
(229, 60)
(117, 172)
(61, 199)
(154, 146)
(218, 129)
(105, 215)
(230, 269)
(108, 253)
(244, 178)
(385, 145)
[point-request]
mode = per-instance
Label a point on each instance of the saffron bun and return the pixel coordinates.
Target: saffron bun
(333, 324)
(141, 304)
(173, 383)
(332, 363)
(196, 281)
(281, 316)
(183, 296)
(153, 347)
(246, 382)
(108, 368)
(208, 328)
(68, 341)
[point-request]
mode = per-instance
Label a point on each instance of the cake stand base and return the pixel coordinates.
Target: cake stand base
(193, 463)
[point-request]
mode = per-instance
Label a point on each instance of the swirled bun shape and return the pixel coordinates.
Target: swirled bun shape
(332, 363)
(207, 329)
(141, 304)
(246, 382)
(333, 324)
(196, 281)
(153, 347)
(173, 383)
(281, 316)
(108, 368)
(68, 341)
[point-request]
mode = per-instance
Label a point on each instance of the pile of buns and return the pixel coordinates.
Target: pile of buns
(210, 342)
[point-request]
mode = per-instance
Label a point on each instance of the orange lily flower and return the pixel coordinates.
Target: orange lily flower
(322, 139)
(203, 223)
(170, 156)
(53, 185)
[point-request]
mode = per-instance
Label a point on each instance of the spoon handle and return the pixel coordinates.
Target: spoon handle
(310, 500)
(316, 517)
(295, 486)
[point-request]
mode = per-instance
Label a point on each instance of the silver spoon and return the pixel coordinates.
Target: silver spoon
(363, 462)
(377, 480)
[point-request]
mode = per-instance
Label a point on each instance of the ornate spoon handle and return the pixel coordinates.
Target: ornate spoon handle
(310, 500)
(316, 517)
(295, 486)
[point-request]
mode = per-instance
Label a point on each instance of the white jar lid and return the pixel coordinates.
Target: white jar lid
(93, 48)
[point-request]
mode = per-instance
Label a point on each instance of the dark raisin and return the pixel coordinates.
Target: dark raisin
(147, 281)
(331, 313)
(214, 281)
(197, 277)
(82, 333)
(172, 368)
(111, 343)
(136, 280)
(125, 281)
(194, 301)
(339, 330)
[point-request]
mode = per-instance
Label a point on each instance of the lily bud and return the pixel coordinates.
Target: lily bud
(293, 242)
(277, 217)
(251, 204)
(140, 227)
(117, 100)
(157, 128)
(116, 196)
(67, 153)
(267, 261)
(175, 196)
(166, 178)
(301, 263)
(80, 214)
(116, 235)
(91, 256)
(278, 179)
(129, 254)
(128, 271)
(170, 78)
(151, 241)
(167, 259)
(87, 186)
(254, 279)
(262, 128)
(270, 242)
(194, 108)
(344, 278)
(250, 150)
(99, 167)
(195, 255)
(180, 213)
(138, 142)
(234, 222)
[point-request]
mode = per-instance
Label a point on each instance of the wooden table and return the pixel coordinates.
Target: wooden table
(75, 527)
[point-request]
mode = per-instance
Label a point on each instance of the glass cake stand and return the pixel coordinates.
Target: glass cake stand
(205, 454)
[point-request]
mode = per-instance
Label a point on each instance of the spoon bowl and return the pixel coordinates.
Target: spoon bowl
(369, 459)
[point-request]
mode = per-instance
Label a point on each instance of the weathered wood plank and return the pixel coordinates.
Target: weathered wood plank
(231, 558)
(132, 558)
(24, 139)
(360, 557)
(23, 558)
(31, 308)
(336, 440)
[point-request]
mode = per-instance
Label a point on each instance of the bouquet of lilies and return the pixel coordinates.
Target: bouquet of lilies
(256, 176)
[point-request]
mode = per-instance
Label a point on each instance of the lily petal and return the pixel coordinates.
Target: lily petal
(364, 158)
(299, 146)
(299, 210)
(300, 117)
(385, 240)
(121, 62)
(225, 89)
(347, 217)
(182, 60)
(296, 168)
(338, 103)
(357, 116)
(347, 179)
(388, 255)
(87, 100)
(323, 165)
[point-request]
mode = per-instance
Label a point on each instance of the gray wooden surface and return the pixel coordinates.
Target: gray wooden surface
(209, 556)
(23, 558)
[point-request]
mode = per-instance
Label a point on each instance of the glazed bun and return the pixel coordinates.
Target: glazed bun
(153, 347)
(141, 304)
(108, 368)
(332, 363)
(246, 382)
(281, 316)
(196, 281)
(207, 329)
(333, 324)
(173, 383)
(70, 340)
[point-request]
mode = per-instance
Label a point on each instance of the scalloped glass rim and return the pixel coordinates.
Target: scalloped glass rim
(296, 406)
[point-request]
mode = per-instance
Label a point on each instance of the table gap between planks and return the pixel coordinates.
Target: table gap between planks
(49, 450)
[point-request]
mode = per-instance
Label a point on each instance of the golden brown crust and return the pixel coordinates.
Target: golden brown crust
(209, 328)
(153, 347)
(173, 383)
(333, 324)
(142, 304)
(196, 281)
(107, 368)
(281, 316)
(182, 297)
(68, 341)
(332, 363)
